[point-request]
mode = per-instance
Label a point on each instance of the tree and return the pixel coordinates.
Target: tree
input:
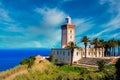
(113, 45)
(110, 44)
(117, 66)
(85, 40)
(101, 65)
(102, 45)
(96, 43)
(118, 44)
(71, 45)
(31, 61)
(24, 61)
(51, 57)
(106, 48)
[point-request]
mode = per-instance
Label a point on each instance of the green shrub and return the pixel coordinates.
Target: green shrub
(51, 57)
(101, 65)
(117, 66)
(76, 69)
(24, 61)
(29, 61)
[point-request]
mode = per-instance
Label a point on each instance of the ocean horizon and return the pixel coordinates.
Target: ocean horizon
(9, 58)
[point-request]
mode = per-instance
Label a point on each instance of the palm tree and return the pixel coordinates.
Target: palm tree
(96, 44)
(71, 45)
(102, 45)
(118, 43)
(85, 40)
(106, 48)
(110, 44)
(114, 44)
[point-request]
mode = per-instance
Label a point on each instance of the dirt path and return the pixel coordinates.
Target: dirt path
(11, 77)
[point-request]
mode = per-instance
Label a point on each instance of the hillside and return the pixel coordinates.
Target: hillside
(22, 69)
(44, 70)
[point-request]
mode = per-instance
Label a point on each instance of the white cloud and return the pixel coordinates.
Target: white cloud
(4, 15)
(102, 33)
(116, 35)
(52, 20)
(113, 24)
(83, 25)
(51, 17)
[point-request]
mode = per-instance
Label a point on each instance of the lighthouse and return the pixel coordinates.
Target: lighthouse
(64, 55)
(68, 32)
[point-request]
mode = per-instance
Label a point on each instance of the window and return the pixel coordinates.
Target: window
(89, 53)
(68, 53)
(70, 31)
(63, 53)
(57, 52)
(99, 53)
(77, 53)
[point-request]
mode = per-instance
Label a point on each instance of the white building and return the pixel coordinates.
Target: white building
(63, 55)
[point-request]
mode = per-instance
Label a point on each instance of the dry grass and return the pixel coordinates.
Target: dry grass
(41, 66)
(7, 73)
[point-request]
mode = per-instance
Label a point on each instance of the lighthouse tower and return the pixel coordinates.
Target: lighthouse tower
(68, 32)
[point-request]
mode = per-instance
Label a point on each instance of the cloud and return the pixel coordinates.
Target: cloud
(47, 34)
(108, 29)
(4, 15)
(52, 16)
(83, 25)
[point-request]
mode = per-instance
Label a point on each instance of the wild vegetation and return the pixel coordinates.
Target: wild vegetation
(7, 73)
(28, 61)
(46, 70)
(117, 65)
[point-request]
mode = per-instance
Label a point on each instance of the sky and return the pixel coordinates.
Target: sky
(37, 23)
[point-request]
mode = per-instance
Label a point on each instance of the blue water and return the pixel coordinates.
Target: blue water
(10, 58)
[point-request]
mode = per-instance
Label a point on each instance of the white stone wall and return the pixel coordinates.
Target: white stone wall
(64, 55)
(91, 52)
(76, 55)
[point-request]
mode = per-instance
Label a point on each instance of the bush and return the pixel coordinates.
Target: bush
(101, 65)
(29, 61)
(68, 68)
(117, 66)
(51, 57)
(24, 61)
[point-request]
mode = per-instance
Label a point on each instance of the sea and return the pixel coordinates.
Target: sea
(9, 58)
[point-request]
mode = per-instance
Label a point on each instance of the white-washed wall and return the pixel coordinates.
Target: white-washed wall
(62, 55)
(76, 55)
